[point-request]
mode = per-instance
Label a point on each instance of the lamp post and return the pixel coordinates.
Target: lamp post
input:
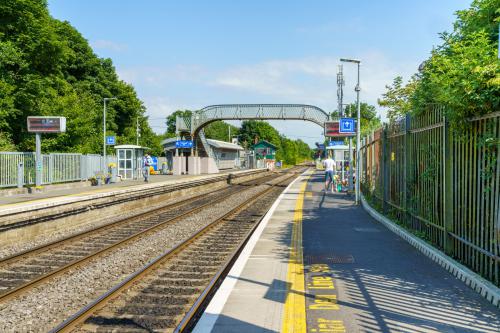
(358, 131)
(105, 99)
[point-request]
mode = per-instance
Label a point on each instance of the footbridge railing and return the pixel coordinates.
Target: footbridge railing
(212, 113)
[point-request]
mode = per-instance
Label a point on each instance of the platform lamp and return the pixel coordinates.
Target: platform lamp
(105, 99)
(358, 130)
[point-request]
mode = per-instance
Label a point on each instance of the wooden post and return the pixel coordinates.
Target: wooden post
(448, 187)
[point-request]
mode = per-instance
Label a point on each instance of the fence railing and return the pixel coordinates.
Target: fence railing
(57, 167)
(442, 185)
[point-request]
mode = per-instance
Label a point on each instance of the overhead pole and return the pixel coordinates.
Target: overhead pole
(105, 99)
(358, 130)
(137, 131)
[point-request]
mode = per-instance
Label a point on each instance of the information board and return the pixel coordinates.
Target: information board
(48, 124)
(332, 129)
(183, 144)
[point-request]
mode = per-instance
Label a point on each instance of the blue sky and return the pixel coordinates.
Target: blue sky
(190, 54)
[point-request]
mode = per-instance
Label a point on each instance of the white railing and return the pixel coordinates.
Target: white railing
(57, 168)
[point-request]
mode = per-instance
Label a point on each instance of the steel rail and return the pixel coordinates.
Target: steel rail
(188, 321)
(104, 299)
(43, 278)
(86, 233)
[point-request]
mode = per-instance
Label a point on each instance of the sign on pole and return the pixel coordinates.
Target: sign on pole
(41, 124)
(346, 127)
(335, 143)
(183, 144)
(111, 140)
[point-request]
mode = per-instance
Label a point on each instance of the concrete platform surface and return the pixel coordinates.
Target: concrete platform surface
(318, 263)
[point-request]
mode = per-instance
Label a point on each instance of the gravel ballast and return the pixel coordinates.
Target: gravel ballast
(44, 307)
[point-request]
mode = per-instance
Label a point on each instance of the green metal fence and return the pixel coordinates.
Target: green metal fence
(441, 185)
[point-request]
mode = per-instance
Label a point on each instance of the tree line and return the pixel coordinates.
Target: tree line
(462, 73)
(48, 68)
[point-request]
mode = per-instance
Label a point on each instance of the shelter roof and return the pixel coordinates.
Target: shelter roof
(264, 143)
(224, 145)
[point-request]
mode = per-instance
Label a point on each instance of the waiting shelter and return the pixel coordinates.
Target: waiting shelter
(129, 158)
(265, 154)
(183, 160)
(340, 154)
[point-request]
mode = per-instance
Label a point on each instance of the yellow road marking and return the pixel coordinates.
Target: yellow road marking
(294, 319)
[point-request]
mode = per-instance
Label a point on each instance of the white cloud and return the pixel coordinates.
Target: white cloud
(158, 108)
(160, 76)
(108, 45)
(313, 80)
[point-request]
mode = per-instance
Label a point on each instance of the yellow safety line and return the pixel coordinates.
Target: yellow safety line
(294, 319)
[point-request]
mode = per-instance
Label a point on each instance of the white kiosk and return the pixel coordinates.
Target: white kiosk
(129, 158)
(340, 154)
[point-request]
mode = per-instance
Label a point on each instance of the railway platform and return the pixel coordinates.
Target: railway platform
(318, 263)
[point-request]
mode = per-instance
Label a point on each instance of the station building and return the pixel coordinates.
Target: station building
(265, 154)
(226, 156)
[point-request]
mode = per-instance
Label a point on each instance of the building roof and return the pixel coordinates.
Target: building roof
(169, 141)
(224, 145)
(265, 143)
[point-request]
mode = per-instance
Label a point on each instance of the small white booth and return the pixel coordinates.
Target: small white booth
(340, 154)
(129, 158)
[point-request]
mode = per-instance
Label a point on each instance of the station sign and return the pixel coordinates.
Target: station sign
(111, 140)
(347, 125)
(343, 128)
(335, 143)
(39, 124)
(183, 144)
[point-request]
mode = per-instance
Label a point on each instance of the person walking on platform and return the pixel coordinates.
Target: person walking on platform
(147, 161)
(329, 165)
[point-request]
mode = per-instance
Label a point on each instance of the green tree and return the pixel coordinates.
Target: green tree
(462, 74)
(171, 120)
(369, 119)
(48, 68)
(219, 130)
(398, 97)
(255, 130)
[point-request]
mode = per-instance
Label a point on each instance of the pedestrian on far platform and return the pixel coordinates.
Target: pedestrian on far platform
(329, 165)
(147, 161)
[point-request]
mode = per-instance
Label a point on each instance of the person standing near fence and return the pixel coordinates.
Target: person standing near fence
(147, 161)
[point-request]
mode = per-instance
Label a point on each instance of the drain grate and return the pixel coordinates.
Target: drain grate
(329, 259)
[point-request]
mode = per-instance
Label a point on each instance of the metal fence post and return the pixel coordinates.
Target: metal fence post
(20, 174)
(406, 167)
(448, 187)
(384, 163)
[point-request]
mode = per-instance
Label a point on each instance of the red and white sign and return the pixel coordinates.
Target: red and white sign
(46, 124)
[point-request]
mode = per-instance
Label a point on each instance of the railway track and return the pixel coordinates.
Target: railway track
(168, 293)
(25, 270)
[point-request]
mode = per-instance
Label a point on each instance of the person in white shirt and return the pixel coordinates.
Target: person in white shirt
(147, 161)
(329, 165)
